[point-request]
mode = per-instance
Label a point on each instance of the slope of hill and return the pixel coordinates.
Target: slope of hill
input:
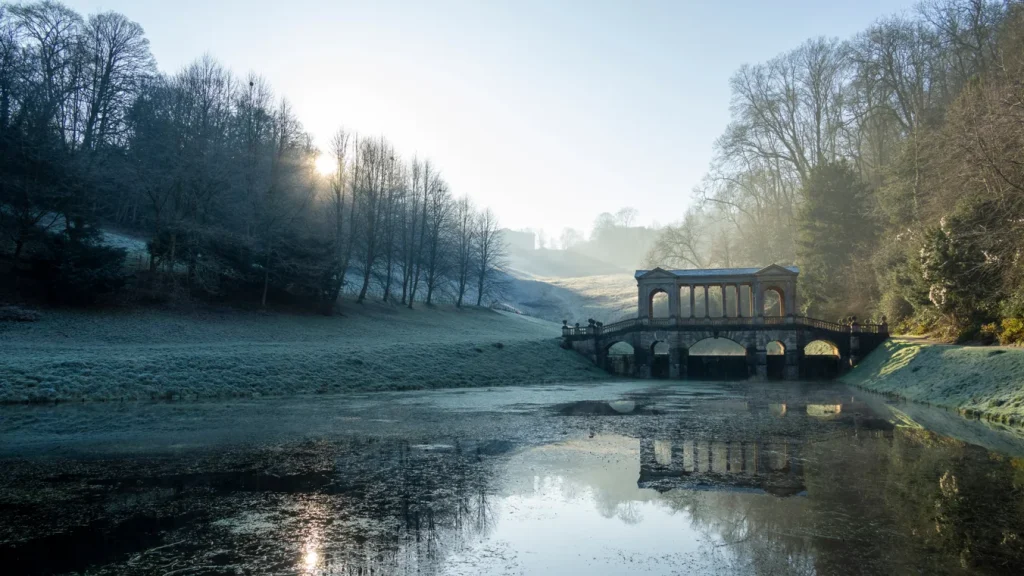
(149, 354)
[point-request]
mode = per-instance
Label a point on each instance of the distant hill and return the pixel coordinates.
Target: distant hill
(544, 263)
(606, 298)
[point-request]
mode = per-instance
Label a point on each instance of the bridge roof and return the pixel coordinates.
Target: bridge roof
(719, 272)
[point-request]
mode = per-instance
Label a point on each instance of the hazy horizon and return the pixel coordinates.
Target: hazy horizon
(581, 107)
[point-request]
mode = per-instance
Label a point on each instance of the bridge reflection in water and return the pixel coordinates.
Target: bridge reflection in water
(773, 466)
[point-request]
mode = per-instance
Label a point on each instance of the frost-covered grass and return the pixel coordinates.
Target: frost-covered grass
(607, 298)
(977, 381)
(148, 354)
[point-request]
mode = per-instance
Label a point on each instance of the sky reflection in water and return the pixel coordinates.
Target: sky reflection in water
(663, 481)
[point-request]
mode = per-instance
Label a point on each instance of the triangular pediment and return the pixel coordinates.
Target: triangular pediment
(657, 273)
(775, 269)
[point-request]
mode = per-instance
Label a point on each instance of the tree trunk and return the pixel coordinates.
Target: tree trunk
(266, 278)
(366, 284)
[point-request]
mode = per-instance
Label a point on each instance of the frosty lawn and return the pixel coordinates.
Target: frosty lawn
(142, 355)
(979, 381)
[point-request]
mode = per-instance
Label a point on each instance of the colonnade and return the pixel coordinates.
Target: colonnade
(749, 283)
(737, 289)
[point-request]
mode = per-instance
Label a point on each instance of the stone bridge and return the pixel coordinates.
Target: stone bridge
(773, 340)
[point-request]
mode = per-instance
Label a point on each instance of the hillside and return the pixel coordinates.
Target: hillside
(975, 381)
(568, 285)
(606, 298)
(147, 354)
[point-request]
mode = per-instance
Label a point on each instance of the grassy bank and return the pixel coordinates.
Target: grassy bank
(976, 381)
(147, 354)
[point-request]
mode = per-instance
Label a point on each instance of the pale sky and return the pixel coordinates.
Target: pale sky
(548, 112)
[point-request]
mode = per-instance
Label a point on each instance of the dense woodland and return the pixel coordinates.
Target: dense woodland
(218, 173)
(889, 166)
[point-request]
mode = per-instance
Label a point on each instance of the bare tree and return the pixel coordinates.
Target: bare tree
(626, 216)
(438, 257)
(569, 238)
(490, 251)
(411, 231)
(342, 240)
(375, 159)
(682, 245)
(429, 184)
(465, 233)
(117, 62)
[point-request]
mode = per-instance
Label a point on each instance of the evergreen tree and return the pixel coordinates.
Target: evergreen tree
(834, 230)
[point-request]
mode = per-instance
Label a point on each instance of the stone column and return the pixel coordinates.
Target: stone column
(675, 370)
(793, 357)
(791, 299)
(673, 302)
(758, 300)
(739, 300)
(642, 300)
(725, 303)
(641, 359)
(693, 305)
(762, 362)
(707, 310)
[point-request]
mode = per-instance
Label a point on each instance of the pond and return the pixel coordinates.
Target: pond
(669, 478)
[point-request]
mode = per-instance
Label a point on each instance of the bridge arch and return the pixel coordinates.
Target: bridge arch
(718, 358)
(821, 360)
(821, 347)
(775, 363)
(620, 358)
(619, 348)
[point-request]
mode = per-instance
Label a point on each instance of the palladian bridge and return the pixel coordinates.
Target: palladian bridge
(731, 323)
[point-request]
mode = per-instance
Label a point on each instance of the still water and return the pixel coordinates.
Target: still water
(614, 479)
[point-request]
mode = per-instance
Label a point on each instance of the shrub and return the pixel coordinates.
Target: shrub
(988, 333)
(78, 272)
(1012, 331)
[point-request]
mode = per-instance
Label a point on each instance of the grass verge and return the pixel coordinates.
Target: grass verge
(983, 382)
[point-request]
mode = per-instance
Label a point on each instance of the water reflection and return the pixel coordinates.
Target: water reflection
(751, 485)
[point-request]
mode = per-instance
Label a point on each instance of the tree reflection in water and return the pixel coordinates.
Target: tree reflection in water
(808, 491)
(906, 501)
(408, 507)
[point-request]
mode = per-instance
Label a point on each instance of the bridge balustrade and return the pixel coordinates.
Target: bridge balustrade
(639, 324)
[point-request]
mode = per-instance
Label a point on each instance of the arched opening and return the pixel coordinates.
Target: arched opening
(659, 360)
(619, 359)
(821, 360)
(658, 304)
(776, 360)
(774, 302)
(717, 359)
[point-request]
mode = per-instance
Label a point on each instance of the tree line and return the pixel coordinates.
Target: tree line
(889, 166)
(218, 173)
